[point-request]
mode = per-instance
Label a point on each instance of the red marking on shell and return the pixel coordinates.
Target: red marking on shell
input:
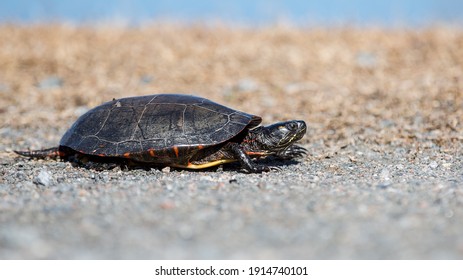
(200, 147)
(175, 150)
(256, 153)
(126, 155)
(152, 152)
(101, 155)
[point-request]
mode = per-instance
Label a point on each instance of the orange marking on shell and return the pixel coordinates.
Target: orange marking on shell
(101, 155)
(126, 155)
(200, 147)
(256, 153)
(60, 153)
(175, 150)
(152, 153)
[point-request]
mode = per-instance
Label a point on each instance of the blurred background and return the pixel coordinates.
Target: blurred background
(257, 12)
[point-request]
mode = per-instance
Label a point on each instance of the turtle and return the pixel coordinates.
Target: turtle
(176, 130)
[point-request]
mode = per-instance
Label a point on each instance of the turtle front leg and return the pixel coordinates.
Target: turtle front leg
(245, 160)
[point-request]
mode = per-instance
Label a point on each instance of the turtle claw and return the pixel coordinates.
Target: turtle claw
(293, 151)
(275, 168)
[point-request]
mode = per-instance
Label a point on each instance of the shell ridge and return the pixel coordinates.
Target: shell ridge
(106, 119)
(183, 120)
(205, 108)
(154, 97)
(138, 124)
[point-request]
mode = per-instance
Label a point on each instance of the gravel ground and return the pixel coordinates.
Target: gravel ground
(383, 178)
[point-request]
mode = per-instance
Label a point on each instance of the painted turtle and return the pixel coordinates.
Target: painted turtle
(175, 130)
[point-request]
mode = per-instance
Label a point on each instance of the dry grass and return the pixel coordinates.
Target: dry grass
(370, 85)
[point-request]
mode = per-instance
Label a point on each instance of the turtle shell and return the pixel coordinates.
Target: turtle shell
(149, 124)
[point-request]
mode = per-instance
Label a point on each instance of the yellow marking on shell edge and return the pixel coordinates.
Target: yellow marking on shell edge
(205, 165)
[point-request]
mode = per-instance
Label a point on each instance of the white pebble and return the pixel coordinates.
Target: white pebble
(385, 174)
(44, 178)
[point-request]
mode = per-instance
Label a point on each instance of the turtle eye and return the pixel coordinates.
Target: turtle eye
(292, 126)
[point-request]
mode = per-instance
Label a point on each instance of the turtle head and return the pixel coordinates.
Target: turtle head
(277, 137)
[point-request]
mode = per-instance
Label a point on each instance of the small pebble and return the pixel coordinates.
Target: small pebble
(247, 85)
(51, 82)
(433, 164)
(44, 178)
(383, 186)
(366, 59)
(4, 87)
(146, 79)
(385, 174)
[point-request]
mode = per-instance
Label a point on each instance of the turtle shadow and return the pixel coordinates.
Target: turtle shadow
(236, 166)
